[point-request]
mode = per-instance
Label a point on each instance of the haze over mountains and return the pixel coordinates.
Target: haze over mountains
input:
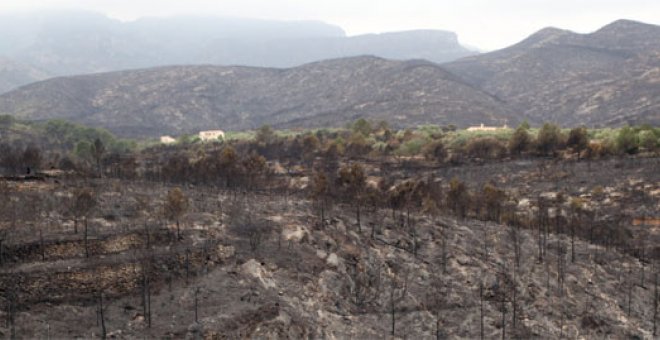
(72, 43)
(13, 74)
(607, 78)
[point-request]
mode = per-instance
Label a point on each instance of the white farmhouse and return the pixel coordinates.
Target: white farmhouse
(167, 140)
(211, 135)
(487, 128)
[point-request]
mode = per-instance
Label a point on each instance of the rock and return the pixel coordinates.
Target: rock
(550, 195)
(464, 260)
(224, 252)
(114, 334)
(524, 204)
(328, 243)
(321, 254)
(256, 270)
(294, 233)
(333, 260)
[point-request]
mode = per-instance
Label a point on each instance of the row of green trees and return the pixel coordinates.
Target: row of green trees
(363, 139)
(57, 142)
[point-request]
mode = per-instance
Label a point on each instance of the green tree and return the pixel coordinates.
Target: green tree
(524, 125)
(648, 140)
(265, 135)
(362, 126)
(520, 140)
(627, 140)
(485, 147)
(83, 150)
(549, 139)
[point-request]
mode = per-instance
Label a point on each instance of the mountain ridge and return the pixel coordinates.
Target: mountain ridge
(185, 99)
(595, 78)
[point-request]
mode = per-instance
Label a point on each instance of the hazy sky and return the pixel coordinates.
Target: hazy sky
(487, 24)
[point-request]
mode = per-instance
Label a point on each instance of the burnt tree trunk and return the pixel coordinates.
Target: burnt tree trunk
(357, 210)
(41, 246)
(655, 306)
(481, 310)
(187, 265)
(102, 317)
(86, 234)
(503, 317)
(196, 304)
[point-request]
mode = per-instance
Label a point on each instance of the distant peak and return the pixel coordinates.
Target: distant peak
(625, 25)
(550, 32)
(544, 36)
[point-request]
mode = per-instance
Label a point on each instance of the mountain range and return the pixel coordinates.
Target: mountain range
(610, 77)
(74, 43)
(185, 99)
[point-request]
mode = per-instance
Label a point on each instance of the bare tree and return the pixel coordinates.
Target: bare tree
(98, 150)
(176, 204)
(458, 197)
(146, 293)
(398, 291)
(142, 207)
(352, 180)
(320, 193)
(481, 310)
(243, 224)
(101, 315)
(82, 204)
(515, 235)
(365, 283)
(196, 304)
(655, 305)
(84, 201)
(11, 298)
(438, 300)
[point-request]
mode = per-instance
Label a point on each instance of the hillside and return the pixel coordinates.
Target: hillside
(73, 43)
(261, 265)
(608, 77)
(185, 99)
